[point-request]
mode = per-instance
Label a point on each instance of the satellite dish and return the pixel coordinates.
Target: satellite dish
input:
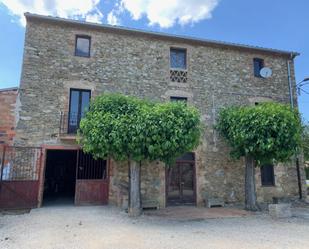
(266, 72)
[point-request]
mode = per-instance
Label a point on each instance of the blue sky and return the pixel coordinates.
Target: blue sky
(274, 24)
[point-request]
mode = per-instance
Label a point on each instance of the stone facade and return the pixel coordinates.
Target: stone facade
(7, 115)
(137, 63)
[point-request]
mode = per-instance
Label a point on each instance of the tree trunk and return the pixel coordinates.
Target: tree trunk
(134, 190)
(250, 191)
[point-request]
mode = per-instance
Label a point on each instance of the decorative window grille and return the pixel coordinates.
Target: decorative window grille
(178, 65)
(178, 76)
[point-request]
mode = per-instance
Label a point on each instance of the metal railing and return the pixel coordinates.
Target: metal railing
(69, 122)
(90, 168)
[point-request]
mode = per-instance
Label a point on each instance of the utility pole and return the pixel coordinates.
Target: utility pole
(300, 192)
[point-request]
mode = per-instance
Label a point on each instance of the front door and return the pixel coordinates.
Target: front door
(79, 102)
(181, 184)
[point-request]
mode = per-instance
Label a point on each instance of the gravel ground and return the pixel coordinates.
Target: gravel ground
(106, 227)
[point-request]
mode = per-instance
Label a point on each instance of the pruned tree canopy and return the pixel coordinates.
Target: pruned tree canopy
(306, 143)
(267, 132)
(125, 127)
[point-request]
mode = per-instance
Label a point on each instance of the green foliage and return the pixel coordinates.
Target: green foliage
(125, 127)
(267, 132)
(171, 130)
(307, 173)
(306, 143)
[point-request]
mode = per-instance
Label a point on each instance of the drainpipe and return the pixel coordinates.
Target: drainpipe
(290, 83)
(292, 106)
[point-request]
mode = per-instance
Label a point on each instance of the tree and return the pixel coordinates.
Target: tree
(306, 143)
(134, 130)
(269, 132)
(306, 149)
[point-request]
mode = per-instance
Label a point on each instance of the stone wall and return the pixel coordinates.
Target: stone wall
(138, 64)
(152, 183)
(7, 115)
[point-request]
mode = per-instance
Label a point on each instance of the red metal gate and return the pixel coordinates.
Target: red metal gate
(19, 176)
(91, 180)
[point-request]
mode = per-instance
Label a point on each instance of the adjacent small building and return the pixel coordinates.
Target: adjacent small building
(7, 115)
(67, 63)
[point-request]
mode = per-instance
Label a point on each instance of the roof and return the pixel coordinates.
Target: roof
(30, 16)
(8, 89)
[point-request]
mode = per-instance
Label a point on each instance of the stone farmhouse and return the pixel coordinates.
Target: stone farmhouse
(67, 63)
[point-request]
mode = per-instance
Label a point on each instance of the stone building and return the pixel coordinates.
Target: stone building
(66, 63)
(7, 115)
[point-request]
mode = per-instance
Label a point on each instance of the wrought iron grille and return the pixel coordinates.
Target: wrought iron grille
(90, 168)
(69, 122)
(20, 163)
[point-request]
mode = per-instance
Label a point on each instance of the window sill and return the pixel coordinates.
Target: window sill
(179, 69)
(67, 137)
(82, 56)
(179, 84)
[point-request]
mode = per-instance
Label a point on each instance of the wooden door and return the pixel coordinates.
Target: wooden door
(181, 184)
(91, 180)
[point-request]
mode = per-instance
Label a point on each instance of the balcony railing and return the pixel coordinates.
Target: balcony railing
(69, 123)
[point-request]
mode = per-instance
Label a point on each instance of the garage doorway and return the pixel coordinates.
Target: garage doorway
(60, 177)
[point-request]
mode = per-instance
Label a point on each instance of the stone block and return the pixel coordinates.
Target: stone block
(214, 202)
(282, 210)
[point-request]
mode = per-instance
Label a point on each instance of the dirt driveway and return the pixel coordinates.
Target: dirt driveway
(108, 228)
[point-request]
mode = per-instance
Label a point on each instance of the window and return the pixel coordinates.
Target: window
(189, 156)
(267, 175)
(258, 64)
(184, 99)
(178, 65)
(79, 102)
(178, 58)
(82, 46)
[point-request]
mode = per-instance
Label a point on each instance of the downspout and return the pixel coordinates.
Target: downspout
(290, 83)
(292, 106)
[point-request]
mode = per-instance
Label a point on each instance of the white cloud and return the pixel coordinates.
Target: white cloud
(112, 18)
(62, 8)
(166, 13)
(96, 17)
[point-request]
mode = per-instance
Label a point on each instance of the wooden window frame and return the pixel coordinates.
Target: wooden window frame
(84, 37)
(186, 58)
(260, 60)
(268, 184)
(178, 98)
(79, 103)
